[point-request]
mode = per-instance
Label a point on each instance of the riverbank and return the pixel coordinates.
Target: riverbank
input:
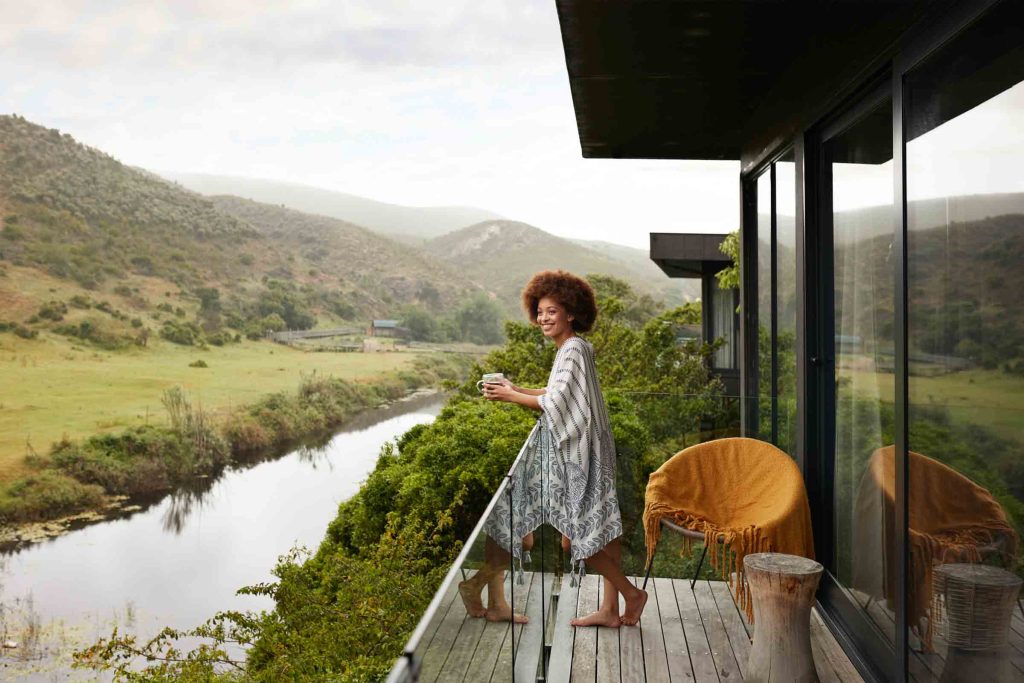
(56, 387)
(89, 476)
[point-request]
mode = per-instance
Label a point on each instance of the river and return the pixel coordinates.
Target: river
(181, 560)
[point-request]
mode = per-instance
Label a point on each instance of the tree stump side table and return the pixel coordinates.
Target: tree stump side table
(782, 588)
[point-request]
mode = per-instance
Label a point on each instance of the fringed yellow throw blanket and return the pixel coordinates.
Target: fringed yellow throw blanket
(745, 490)
(951, 519)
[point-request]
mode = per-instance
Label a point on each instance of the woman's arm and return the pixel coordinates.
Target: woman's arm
(509, 394)
(529, 392)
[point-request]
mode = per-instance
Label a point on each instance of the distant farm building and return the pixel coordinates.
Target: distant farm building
(386, 328)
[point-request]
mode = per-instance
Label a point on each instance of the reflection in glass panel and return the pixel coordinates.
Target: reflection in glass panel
(764, 306)
(965, 219)
(860, 165)
(723, 326)
(785, 303)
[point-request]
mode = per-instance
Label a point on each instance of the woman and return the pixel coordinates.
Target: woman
(573, 452)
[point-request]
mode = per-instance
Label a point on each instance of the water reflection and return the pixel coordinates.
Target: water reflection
(175, 561)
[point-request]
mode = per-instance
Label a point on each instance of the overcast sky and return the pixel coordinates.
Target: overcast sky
(420, 103)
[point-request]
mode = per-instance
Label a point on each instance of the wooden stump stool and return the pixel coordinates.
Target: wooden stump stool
(979, 602)
(782, 587)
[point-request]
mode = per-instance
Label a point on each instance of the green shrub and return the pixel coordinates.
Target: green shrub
(103, 333)
(25, 333)
(81, 302)
(181, 332)
(53, 310)
(45, 495)
(198, 364)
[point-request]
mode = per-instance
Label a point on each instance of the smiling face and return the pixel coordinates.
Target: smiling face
(555, 322)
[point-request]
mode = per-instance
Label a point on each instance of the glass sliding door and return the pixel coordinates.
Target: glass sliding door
(776, 303)
(785, 303)
(765, 378)
(965, 289)
(858, 202)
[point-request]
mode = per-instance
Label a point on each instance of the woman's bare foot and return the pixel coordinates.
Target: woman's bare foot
(634, 608)
(598, 618)
(504, 613)
(471, 599)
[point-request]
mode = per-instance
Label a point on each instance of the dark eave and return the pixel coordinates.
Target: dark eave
(682, 79)
(687, 255)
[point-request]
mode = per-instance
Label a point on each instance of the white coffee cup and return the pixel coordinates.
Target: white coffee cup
(490, 378)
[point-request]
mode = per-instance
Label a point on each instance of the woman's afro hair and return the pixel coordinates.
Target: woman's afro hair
(571, 291)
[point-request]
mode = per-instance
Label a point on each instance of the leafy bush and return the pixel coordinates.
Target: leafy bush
(79, 301)
(45, 495)
(181, 332)
(53, 310)
(18, 329)
(103, 333)
(198, 364)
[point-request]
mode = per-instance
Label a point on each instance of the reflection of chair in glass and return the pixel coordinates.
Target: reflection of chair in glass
(978, 601)
(743, 493)
(951, 519)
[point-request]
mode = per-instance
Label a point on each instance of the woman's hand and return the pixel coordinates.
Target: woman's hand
(500, 392)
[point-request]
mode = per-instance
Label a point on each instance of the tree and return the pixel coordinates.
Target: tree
(729, 277)
(421, 325)
(479, 320)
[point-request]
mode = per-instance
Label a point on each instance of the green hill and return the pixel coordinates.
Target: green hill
(78, 214)
(503, 255)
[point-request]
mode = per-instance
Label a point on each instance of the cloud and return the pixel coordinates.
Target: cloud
(409, 102)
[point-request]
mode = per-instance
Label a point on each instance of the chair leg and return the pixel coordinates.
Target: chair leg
(648, 574)
(700, 564)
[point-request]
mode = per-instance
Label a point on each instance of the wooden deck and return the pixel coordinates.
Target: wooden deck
(684, 635)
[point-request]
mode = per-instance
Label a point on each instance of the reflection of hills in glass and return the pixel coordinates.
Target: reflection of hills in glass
(965, 281)
(924, 214)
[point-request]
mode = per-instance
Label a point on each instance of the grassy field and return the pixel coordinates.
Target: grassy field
(52, 387)
(988, 398)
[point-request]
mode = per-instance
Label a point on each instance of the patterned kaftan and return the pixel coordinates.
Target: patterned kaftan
(566, 477)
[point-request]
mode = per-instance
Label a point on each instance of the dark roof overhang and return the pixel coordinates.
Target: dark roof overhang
(683, 79)
(688, 255)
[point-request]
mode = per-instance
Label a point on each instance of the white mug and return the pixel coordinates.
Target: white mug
(490, 378)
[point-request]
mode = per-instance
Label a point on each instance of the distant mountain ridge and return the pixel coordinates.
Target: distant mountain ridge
(504, 254)
(81, 215)
(407, 223)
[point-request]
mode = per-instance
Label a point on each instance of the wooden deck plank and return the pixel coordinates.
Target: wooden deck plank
(609, 657)
(676, 650)
(489, 648)
(714, 629)
(846, 672)
(444, 635)
(822, 664)
(564, 634)
(503, 667)
(531, 644)
(697, 644)
(631, 646)
(463, 650)
(584, 651)
(735, 623)
(656, 666)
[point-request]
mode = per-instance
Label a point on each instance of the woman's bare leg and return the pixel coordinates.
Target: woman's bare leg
(492, 575)
(607, 562)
